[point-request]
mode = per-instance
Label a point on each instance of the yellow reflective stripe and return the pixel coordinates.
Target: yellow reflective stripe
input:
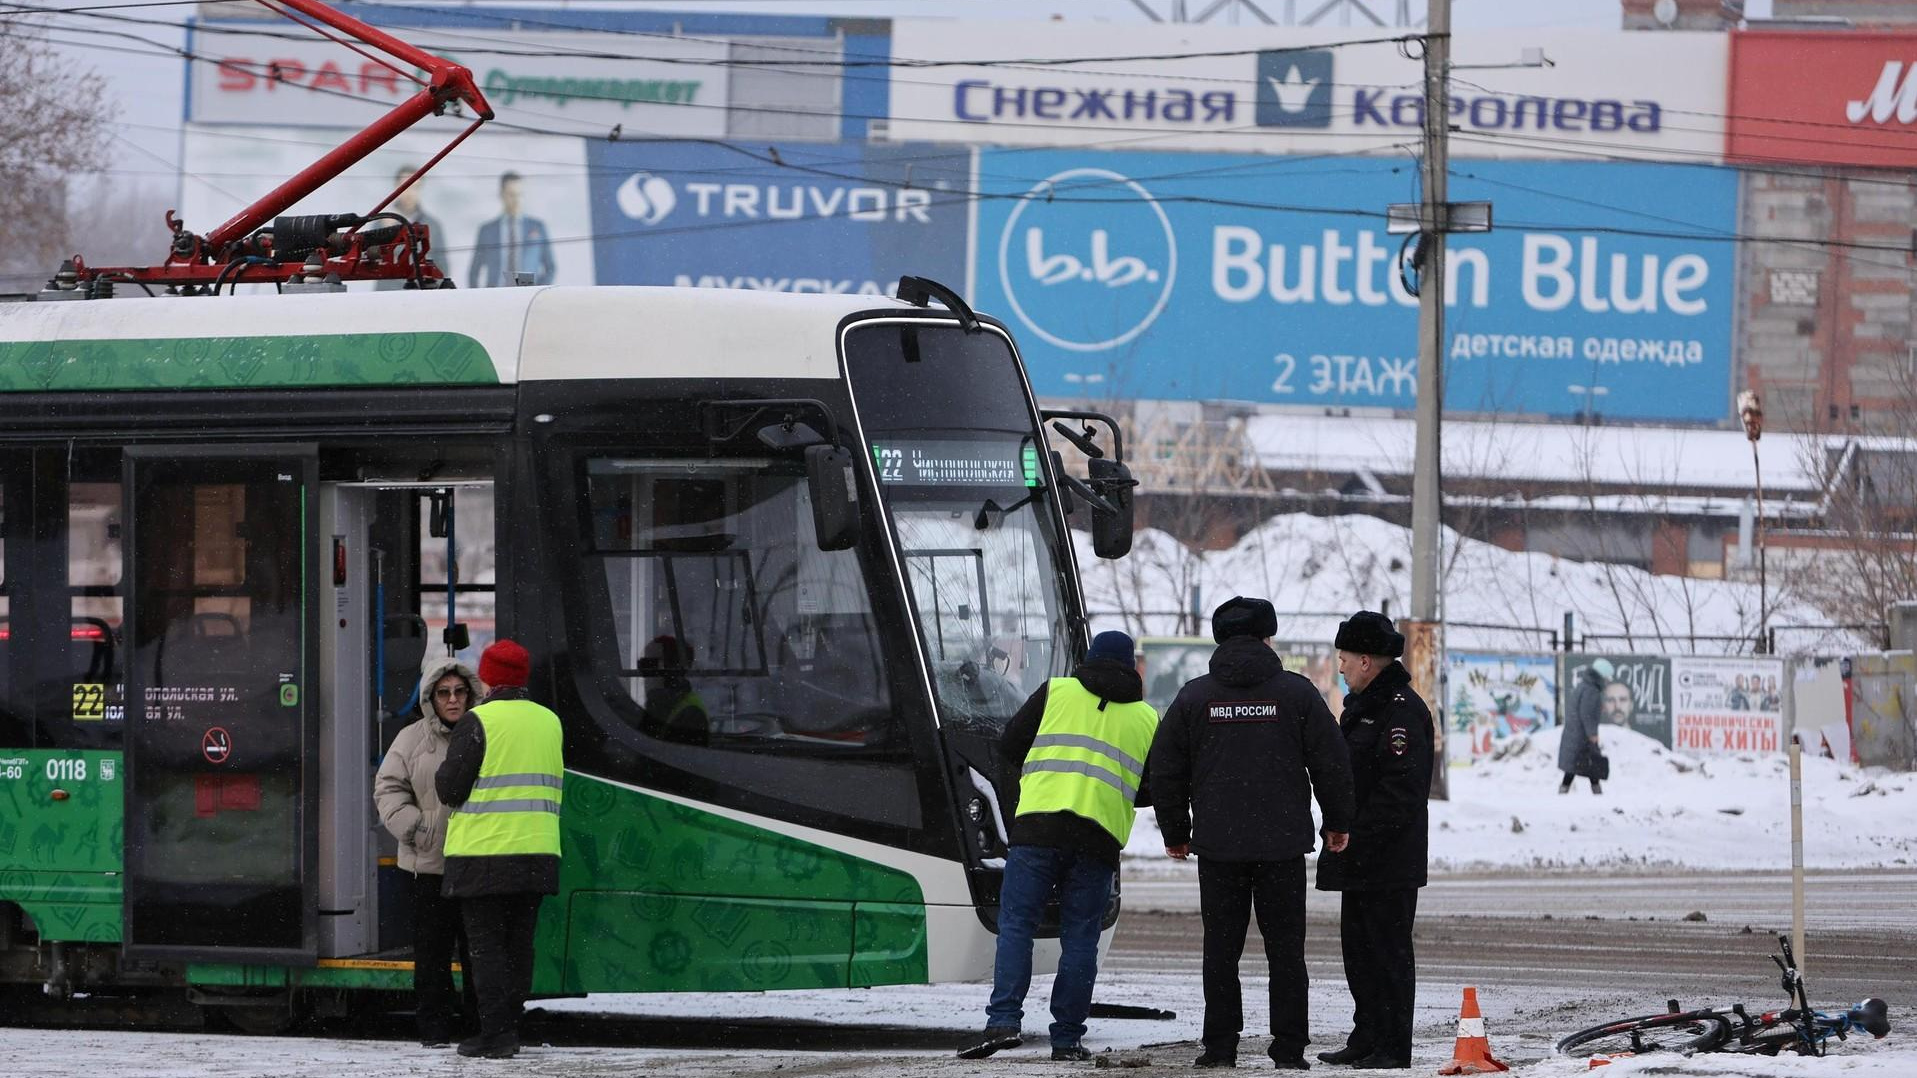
(492, 782)
(508, 793)
(1080, 767)
(518, 804)
(1091, 744)
(1104, 763)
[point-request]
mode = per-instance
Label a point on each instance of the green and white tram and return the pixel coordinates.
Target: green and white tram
(786, 565)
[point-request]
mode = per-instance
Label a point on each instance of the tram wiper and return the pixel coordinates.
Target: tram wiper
(991, 515)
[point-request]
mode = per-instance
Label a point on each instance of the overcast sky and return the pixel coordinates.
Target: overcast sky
(146, 92)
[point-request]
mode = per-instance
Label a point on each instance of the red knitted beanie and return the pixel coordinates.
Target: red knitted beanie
(504, 664)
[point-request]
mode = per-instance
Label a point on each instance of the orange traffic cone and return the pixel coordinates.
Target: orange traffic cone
(1473, 1053)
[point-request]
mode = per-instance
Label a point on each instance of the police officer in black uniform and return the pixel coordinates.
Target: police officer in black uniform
(1243, 749)
(1388, 729)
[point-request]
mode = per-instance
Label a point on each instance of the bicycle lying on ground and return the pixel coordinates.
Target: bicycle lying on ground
(1800, 1028)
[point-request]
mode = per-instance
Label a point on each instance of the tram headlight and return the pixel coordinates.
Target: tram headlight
(975, 810)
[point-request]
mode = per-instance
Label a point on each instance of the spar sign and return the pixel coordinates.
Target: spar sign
(569, 81)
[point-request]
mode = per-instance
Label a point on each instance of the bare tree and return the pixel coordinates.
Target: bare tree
(54, 127)
(122, 226)
(1865, 556)
(1202, 484)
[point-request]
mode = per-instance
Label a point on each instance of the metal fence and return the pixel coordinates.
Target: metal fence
(1789, 638)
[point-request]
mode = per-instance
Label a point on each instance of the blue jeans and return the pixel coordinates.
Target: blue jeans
(1084, 886)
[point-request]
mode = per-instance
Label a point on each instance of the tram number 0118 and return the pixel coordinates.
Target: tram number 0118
(66, 770)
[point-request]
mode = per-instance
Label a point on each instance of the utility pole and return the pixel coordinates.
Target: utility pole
(1427, 527)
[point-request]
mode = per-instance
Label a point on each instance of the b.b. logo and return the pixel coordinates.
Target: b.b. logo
(1294, 88)
(1087, 259)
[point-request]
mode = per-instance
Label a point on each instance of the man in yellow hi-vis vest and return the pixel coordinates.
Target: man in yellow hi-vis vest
(502, 777)
(1079, 746)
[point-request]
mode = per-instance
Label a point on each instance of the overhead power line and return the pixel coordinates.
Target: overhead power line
(773, 160)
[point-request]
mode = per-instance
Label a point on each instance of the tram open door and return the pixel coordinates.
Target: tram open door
(391, 603)
(277, 631)
(221, 583)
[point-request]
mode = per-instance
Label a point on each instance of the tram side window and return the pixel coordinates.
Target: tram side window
(470, 509)
(729, 627)
(96, 654)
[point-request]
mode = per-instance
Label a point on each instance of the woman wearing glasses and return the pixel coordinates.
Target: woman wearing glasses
(410, 809)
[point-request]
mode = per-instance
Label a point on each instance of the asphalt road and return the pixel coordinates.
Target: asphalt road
(1609, 934)
(1883, 899)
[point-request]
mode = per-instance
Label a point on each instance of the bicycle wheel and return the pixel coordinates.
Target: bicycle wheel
(1687, 1032)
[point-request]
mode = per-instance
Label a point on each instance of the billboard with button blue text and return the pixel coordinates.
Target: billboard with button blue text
(1604, 291)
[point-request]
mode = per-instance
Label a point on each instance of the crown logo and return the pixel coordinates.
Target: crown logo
(1293, 91)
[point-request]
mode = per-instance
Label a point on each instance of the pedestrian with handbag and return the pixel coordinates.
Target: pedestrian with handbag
(1579, 752)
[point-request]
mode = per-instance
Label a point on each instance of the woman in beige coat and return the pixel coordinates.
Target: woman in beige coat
(410, 809)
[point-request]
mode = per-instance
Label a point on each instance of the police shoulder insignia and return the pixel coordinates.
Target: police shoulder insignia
(1400, 739)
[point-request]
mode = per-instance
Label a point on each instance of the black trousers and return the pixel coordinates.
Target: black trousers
(438, 934)
(1381, 968)
(1228, 893)
(499, 930)
(1569, 776)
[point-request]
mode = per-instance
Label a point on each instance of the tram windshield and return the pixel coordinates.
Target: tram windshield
(956, 456)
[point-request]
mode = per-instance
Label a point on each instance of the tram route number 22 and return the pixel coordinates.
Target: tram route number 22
(89, 702)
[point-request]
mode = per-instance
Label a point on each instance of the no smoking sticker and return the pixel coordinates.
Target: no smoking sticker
(216, 745)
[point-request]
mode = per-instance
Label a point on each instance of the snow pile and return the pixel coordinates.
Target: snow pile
(1659, 808)
(1666, 808)
(1317, 570)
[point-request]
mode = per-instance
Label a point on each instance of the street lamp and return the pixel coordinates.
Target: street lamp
(1750, 409)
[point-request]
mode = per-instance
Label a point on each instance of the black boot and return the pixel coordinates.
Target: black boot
(1071, 1053)
(1350, 1053)
(1295, 1062)
(1379, 1061)
(1213, 1057)
(994, 1039)
(504, 1046)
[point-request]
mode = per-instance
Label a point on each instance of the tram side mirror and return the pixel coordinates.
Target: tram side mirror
(835, 496)
(456, 636)
(1111, 522)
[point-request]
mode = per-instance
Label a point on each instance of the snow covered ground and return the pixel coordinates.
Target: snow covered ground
(1660, 809)
(1520, 1034)
(1317, 570)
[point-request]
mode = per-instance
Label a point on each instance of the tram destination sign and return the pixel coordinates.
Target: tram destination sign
(952, 463)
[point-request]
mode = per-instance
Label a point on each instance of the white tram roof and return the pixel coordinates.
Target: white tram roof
(529, 334)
